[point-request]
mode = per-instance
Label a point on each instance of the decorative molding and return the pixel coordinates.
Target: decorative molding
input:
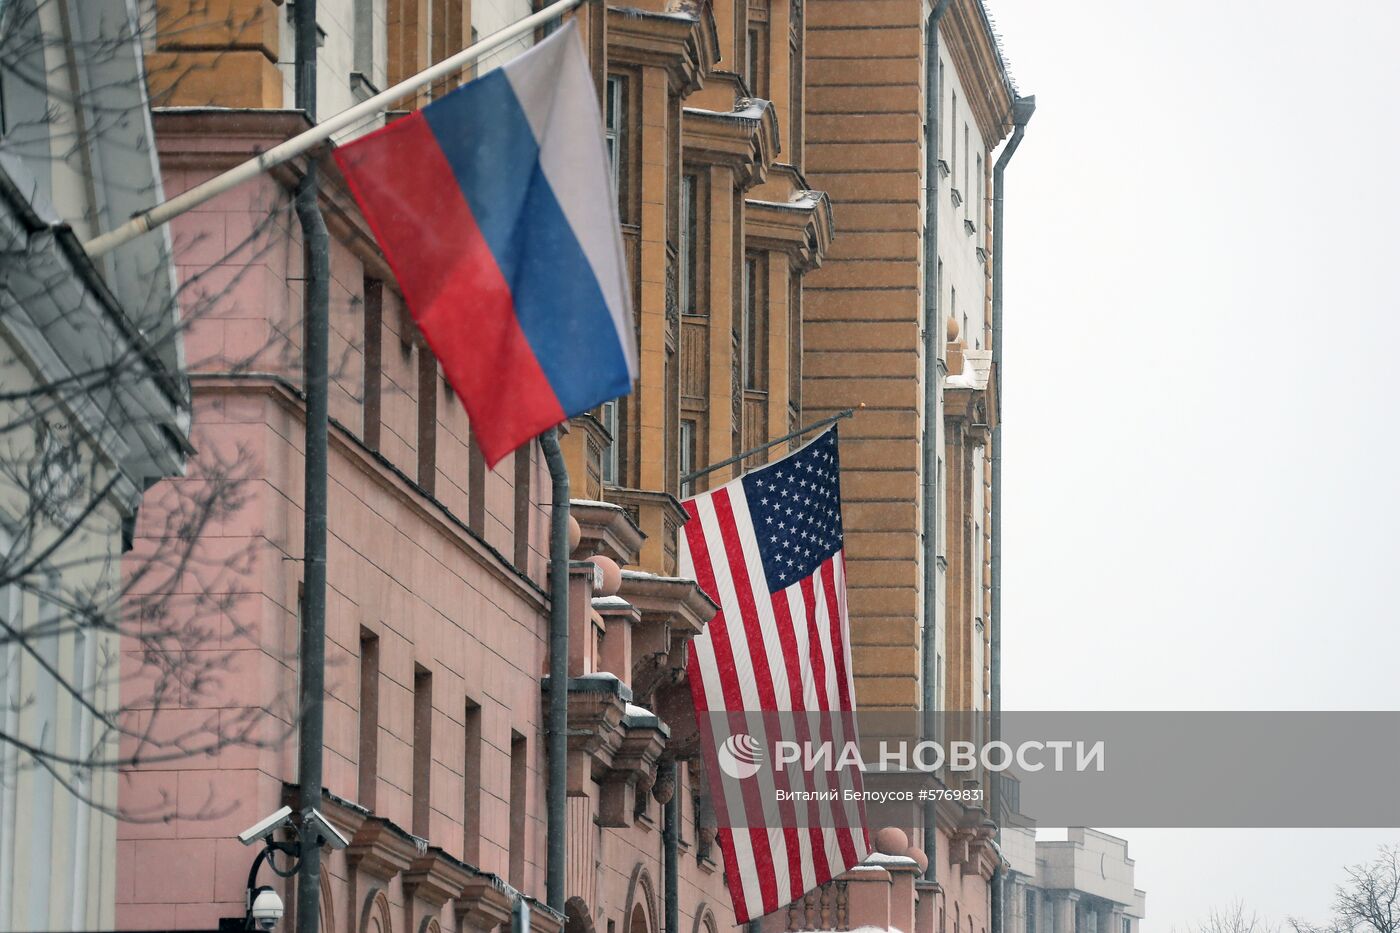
(973, 52)
(745, 140)
(684, 43)
(801, 228)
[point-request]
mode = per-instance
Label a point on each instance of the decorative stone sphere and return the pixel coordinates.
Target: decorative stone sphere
(612, 575)
(918, 856)
(891, 841)
(575, 534)
(952, 328)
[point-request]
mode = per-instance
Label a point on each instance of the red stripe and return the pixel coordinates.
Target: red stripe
(816, 654)
(782, 611)
(838, 634)
(450, 280)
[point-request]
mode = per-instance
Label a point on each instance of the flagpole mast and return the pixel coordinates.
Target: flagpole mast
(166, 211)
(316, 378)
(557, 716)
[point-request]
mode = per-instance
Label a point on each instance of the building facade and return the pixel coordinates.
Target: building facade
(907, 105)
(1080, 884)
(437, 607)
(92, 414)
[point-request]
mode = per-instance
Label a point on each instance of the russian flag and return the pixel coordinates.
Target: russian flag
(494, 206)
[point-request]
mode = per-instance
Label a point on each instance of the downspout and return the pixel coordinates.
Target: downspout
(557, 739)
(315, 370)
(932, 334)
(670, 835)
(1021, 110)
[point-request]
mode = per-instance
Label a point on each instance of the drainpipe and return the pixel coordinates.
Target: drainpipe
(932, 334)
(315, 371)
(670, 833)
(558, 714)
(1021, 110)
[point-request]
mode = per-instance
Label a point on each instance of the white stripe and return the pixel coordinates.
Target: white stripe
(555, 88)
(797, 608)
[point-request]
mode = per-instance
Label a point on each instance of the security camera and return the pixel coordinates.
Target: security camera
(266, 910)
(265, 827)
(314, 825)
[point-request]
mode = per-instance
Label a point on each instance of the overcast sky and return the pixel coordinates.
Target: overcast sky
(1200, 387)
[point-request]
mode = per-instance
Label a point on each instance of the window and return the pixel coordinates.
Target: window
(521, 492)
(471, 784)
(952, 135)
(447, 31)
(755, 310)
(422, 750)
(363, 54)
(607, 414)
(548, 28)
(1030, 910)
(967, 164)
(427, 418)
(795, 342)
(751, 64)
(687, 455)
(369, 718)
(518, 750)
(614, 127)
(981, 209)
(688, 242)
(1127, 925)
(476, 486)
(796, 72)
(374, 360)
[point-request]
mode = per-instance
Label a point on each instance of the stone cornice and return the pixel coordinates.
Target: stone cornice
(382, 849)
(745, 139)
(607, 529)
(436, 877)
(967, 36)
(800, 227)
(685, 44)
(216, 139)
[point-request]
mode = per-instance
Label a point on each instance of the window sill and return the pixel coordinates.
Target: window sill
(362, 87)
(970, 227)
(943, 169)
(957, 197)
(982, 255)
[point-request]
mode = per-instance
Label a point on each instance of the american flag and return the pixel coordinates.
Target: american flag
(768, 549)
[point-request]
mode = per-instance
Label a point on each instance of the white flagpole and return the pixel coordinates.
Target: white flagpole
(165, 211)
